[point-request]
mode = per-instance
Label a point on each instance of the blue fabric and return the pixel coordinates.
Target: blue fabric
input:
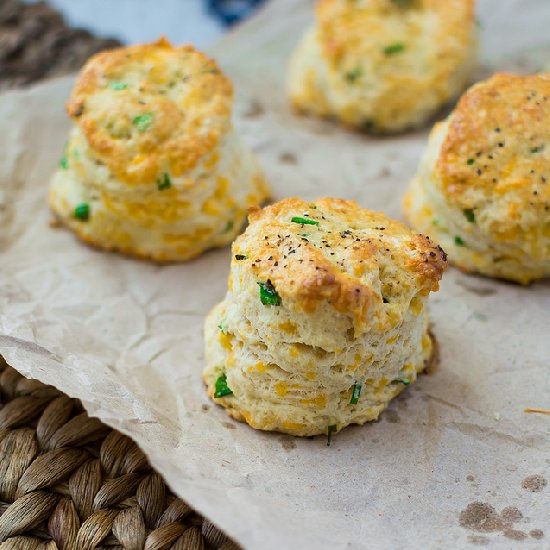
(232, 11)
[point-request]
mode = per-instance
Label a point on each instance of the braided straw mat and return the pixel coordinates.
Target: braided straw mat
(67, 481)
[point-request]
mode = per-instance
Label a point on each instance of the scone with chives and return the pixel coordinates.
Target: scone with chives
(153, 167)
(384, 65)
(483, 186)
(325, 319)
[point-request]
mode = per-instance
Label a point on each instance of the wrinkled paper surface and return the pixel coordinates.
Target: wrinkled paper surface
(126, 336)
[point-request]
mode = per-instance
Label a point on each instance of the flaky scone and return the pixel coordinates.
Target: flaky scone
(483, 186)
(325, 318)
(384, 65)
(153, 167)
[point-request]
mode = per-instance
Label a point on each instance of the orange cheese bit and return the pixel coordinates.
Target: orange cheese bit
(538, 411)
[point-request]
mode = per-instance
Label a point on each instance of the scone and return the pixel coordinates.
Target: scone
(483, 186)
(325, 318)
(153, 167)
(384, 65)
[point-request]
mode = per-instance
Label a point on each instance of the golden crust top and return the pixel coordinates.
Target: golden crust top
(375, 30)
(346, 255)
(498, 144)
(149, 109)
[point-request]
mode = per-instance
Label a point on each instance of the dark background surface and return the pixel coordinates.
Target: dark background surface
(45, 39)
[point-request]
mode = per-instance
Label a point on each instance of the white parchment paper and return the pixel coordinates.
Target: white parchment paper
(126, 337)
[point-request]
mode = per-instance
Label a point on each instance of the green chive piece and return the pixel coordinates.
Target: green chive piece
(368, 125)
(536, 149)
(229, 226)
(354, 74)
(459, 241)
(142, 122)
(470, 215)
(356, 393)
(223, 327)
(304, 221)
(117, 86)
(222, 389)
(268, 294)
(331, 429)
(312, 206)
(392, 49)
(404, 381)
(82, 211)
(64, 162)
(402, 3)
(240, 257)
(164, 182)
(469, 162)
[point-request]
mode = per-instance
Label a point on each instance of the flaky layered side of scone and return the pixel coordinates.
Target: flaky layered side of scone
(325, 318)
(153, 167)
(483, 186)
(384, 65)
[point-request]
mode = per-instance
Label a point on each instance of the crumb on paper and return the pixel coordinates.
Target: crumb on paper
(254, 110)
(288, 158)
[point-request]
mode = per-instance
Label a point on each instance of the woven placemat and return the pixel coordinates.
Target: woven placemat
(36, 43)
(69, 482)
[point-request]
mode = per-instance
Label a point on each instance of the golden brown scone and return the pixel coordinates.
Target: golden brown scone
(384, 65)
(325, 318)
(483, 186)
(153, 166)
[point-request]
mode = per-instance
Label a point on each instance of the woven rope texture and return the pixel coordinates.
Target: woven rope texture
(69, 482)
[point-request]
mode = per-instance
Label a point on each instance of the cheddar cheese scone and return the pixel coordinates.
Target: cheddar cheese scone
(325, 319)
(384, 65)
(153, 166)
(483, 186)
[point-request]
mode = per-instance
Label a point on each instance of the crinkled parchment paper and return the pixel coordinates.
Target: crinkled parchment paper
(126, 337)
